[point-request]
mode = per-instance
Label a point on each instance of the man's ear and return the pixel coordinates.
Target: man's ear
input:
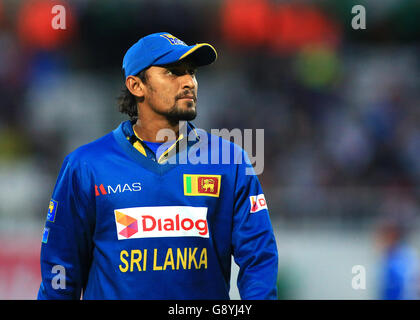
(135, 86)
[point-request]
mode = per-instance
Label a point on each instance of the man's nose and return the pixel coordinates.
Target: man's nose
(188, 81)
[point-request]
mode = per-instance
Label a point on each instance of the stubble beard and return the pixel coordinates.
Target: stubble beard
(176, 114)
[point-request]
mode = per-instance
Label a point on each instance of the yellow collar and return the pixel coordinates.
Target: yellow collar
(139, 146)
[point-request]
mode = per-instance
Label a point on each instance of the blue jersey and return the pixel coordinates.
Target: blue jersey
(123, 224)
(400, 273)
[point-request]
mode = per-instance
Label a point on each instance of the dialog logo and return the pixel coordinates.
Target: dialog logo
(257, 203)
(128, 222)
(164, 221)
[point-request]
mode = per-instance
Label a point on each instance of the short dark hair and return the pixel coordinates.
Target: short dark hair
(127, 102)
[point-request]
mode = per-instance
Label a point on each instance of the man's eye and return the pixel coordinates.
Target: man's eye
(177, 72)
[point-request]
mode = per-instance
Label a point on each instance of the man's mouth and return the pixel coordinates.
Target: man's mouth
(188, 97)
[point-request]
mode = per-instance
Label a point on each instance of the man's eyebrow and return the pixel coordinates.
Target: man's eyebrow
(181, 65)
(188, 64)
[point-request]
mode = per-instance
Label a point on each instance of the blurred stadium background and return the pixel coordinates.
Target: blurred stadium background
(340, 110)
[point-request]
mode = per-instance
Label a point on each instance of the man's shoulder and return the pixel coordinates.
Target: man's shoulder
(89, 152)
(221, 139)
(222, 143)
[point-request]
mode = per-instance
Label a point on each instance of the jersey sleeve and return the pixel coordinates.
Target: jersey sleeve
(253, 241)
(66, 242)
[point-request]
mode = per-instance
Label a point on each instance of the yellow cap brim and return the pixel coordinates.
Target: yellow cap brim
(202, 54)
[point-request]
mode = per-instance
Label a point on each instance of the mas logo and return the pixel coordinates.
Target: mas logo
(202, 185)
(165, 221)
(119, 188)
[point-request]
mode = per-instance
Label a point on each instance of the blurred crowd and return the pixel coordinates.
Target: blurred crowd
(340, 107)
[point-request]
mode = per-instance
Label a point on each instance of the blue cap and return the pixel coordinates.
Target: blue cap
(163, 48)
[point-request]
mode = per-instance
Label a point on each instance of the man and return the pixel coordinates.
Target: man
(134, 216)
(399, 266)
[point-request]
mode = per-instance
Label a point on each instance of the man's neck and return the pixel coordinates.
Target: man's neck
(156, 131)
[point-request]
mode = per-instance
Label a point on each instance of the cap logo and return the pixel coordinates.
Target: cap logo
(172, 39)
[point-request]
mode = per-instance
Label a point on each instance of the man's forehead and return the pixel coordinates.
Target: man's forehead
(184, 63)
